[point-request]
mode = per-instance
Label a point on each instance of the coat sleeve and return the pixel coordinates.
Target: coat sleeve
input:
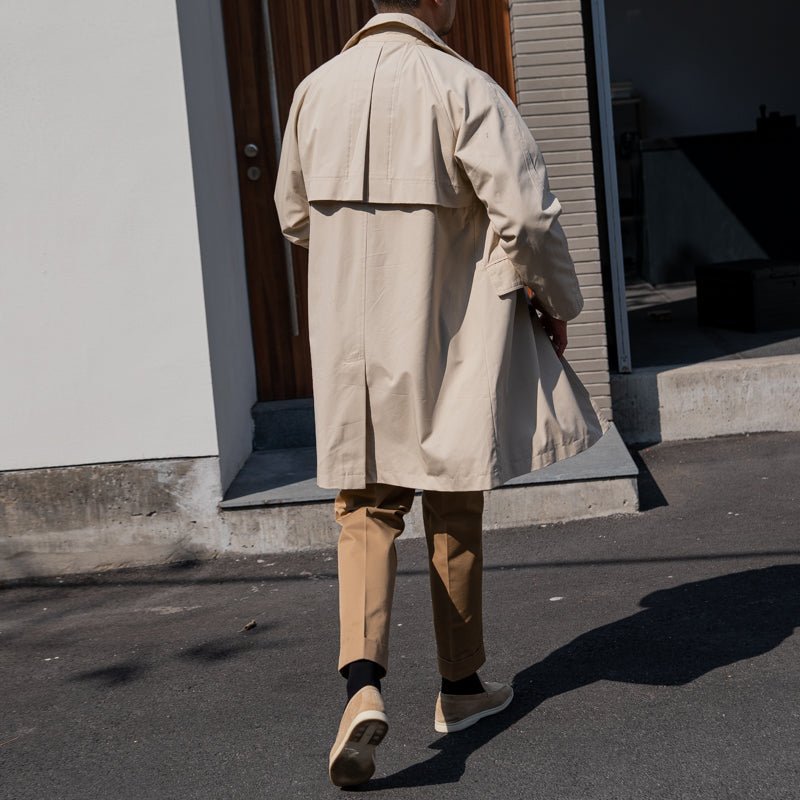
(291, 200)
(497, 152)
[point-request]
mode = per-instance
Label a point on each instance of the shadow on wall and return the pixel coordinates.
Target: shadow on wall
(687, 223)
(714, 199)
(756, 176)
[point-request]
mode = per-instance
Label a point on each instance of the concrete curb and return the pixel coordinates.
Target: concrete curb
(713, 398)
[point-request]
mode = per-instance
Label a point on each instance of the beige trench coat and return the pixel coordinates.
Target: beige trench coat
(424, 203)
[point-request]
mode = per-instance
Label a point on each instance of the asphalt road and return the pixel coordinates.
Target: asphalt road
(653, 656)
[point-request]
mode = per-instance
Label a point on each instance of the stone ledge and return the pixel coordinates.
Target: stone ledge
(310, 525)
(712, 398)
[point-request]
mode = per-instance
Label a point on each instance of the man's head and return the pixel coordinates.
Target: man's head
(437, 14)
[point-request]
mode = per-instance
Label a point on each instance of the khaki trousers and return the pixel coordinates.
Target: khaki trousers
(371, 520)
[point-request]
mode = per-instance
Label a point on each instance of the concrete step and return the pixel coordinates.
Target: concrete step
(275, 505)
(712, 398)
(283, 424)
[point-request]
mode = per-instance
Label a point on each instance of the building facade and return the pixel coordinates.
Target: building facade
(132, 300)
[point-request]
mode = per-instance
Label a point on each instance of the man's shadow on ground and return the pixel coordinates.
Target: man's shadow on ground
(681, 634)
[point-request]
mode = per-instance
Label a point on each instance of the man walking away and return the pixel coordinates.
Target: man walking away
(425, 205)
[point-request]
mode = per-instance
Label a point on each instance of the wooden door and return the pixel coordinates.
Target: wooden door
(271, 46)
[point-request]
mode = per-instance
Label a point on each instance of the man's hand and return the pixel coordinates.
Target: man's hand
(557, 331)
(555, 328)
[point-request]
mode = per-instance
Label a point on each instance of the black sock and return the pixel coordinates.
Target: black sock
(362, 673)
(469, 685)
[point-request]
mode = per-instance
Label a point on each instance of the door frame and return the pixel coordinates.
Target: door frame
(609, 167)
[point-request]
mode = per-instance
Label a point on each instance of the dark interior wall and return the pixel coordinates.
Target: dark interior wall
(705, 66)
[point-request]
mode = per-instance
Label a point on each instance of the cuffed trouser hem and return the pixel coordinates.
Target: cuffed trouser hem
(371, 520)
(456, 670)
(365, 649)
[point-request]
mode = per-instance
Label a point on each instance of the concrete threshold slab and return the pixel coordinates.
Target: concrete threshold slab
(275, 504)
(277, 477)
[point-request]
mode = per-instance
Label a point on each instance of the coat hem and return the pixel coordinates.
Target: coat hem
(548, 457)
(473, 483)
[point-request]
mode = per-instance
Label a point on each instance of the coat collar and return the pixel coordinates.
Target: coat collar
(407, 23)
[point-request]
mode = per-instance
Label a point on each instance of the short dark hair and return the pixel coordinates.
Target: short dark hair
(395, 5)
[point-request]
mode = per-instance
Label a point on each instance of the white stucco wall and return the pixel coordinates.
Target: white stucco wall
(102, 321)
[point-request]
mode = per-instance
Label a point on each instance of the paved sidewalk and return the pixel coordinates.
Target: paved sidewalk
(653, 656)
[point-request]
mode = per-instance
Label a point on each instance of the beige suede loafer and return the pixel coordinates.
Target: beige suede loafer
(454, 712)
(363, 726)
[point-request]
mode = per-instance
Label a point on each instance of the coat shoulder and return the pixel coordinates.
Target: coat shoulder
(464, 88)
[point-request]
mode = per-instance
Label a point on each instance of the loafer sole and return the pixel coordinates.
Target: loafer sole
(353, 761)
